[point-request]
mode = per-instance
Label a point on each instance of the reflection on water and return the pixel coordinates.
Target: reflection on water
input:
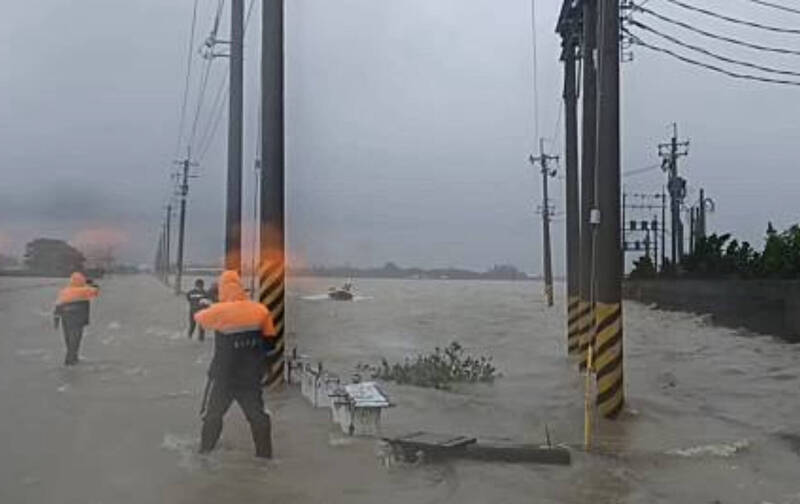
(713, 413)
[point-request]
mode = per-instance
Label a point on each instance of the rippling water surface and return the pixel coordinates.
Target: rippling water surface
(713, 413)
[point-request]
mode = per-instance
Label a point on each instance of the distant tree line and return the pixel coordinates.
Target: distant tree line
(57, 258)
(392, 270)
(721, 256)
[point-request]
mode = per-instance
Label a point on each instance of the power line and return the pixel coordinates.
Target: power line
(736, 75)
(723, 38)
(213, 131)
(712, 54)
(210, 42)
(557, 131)
(188, 77)
(734, 20)
(219, 103)
(639, 171)
(218, 16)
(776, 6)
(535, 72)
(200, 100)
(217, 107)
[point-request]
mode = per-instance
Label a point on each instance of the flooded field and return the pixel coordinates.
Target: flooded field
(713, 413)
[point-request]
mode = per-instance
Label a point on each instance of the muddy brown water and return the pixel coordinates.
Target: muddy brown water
(713, 414)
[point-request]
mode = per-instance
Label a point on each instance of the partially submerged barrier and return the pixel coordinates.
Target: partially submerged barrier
(356, 407)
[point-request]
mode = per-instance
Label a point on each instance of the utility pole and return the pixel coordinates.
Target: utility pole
(233, 213)
(272, 268)
(546, 172)
(670, 152)
(701, 216)
(589, 144)
(663, 228)
(607, 345)
(183, 191)
(168, 238)
(569, 42)
(159, 262)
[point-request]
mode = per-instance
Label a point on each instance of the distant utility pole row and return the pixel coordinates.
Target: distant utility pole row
(163, 260)
(183, 192)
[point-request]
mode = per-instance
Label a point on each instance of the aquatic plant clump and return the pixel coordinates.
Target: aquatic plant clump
(438, 370)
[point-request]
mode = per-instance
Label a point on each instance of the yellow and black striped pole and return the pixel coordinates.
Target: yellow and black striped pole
(608, 351)
(584, 319)
(272, 268)
(569, 46)
(271, 281)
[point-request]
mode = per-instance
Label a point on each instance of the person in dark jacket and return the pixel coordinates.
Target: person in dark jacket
(244, 336)
(72, 313)
(198, 299)
(213, 293)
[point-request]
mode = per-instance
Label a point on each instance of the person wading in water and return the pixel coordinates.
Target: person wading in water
(244, 336)
(72, 312)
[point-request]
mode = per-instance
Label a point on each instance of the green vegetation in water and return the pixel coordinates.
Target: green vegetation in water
(440, 369)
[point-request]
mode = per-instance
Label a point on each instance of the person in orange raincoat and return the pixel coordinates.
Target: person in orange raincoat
(242, 341)
(72, 312)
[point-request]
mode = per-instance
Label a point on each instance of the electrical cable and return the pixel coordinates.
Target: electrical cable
(776, 6)
(535, 73)
(639, 171)
(712, 54)
(723, 38)
(736, 75)
(182, 122)
(752, 24)
(218, 109)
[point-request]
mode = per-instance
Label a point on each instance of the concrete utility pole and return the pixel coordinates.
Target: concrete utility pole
(663, 228)
(589, 144)
(233, 214)
(670, 152)
(569, 43)
(273, 254)
(168, 238)
(607, 348)
(546, 172)
(159, 262)
(184, 191)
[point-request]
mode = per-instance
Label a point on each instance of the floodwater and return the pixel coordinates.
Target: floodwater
(713, 413)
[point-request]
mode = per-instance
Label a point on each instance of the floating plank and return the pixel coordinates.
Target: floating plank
(518, 453)
(438, 446)
(430, 441)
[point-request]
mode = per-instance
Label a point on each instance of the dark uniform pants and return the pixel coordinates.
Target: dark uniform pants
(201, 333)
(72, 339)
(219, 399)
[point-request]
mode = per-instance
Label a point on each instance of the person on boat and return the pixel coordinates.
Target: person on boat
(72, 313)
(244, 335)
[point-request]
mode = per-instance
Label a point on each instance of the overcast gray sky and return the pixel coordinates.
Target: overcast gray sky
(409, 124)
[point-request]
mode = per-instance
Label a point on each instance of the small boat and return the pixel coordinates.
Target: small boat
(343, 293)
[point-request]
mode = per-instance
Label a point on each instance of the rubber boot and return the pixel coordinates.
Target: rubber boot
(210, 435)
(262, 437)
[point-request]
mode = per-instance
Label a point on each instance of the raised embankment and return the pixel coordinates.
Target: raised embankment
(763, 306)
